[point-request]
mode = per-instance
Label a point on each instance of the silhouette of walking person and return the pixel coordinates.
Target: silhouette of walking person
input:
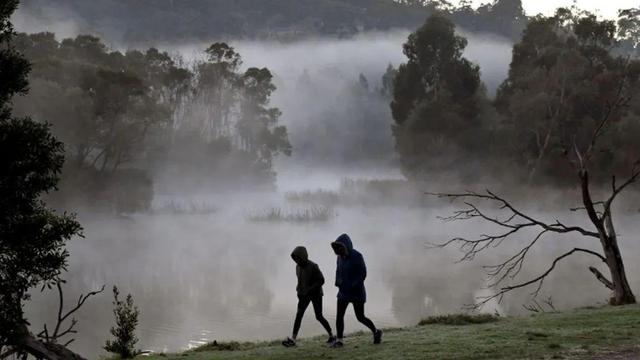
(351, 272)
(309, 289)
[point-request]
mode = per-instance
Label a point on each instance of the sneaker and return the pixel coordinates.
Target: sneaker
(377, 336)
(289, 342)
(331, 339)
(337, 344)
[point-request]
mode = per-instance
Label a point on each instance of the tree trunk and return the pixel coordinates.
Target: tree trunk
(622, 293)
(542, 150)
(41, 350)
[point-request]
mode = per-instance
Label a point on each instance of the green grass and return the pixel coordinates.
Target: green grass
(577, 334)
(459, 319)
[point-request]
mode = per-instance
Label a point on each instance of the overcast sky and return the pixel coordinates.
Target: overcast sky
(606, 8)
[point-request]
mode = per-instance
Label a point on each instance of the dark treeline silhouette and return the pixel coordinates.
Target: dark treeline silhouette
(129, 118)
(172, 20)
(567, 114)
(33, 236)
(567, 72)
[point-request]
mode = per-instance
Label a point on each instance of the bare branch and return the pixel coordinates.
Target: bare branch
(616, 190)
(536, 307)
(474, 212)
(69, 342)
(57, 333)
(578, 208)
(513, 265)
(549, 303)
(538, 280)
(619, 102)
(589, 204)
(601, 277)
(8, 353)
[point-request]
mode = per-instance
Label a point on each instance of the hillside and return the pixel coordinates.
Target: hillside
(595, 333)
(145, 21)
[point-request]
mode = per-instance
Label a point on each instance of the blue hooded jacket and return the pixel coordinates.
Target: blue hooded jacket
(350, 272)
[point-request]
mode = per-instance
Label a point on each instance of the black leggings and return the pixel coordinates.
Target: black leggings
(303, 303)
(358, 307)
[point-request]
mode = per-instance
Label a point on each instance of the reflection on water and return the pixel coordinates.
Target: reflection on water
(218, 276)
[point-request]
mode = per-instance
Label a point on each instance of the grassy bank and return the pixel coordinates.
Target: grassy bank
(597, 333)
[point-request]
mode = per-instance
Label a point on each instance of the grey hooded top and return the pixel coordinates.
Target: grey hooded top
(310, 279)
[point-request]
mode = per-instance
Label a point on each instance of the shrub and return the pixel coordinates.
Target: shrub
(124, 332)
(220, 346)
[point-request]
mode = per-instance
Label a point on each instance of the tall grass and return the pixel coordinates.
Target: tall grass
(313, 214)
(319, 197)
(192, 208)
(364, 192)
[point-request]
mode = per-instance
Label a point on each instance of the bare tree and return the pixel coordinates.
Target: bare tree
(59, 331)
(517, 221)
(45, 345)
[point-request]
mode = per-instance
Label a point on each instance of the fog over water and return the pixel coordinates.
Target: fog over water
(221, 276)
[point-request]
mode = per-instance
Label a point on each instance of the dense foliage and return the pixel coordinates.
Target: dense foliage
(32, 236)
(565, 76)
(563, 80)
(172, 20)
(437, 102)
(127, 118)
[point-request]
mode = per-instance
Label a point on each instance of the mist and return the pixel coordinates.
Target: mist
(325, 108)
(219, 275)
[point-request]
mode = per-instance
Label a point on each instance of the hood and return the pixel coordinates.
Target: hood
(300, 252)
(345, 240)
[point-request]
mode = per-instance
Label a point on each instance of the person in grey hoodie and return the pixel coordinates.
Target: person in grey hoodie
(309, 289)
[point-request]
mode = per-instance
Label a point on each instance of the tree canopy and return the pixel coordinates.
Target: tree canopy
(130, 118)
(32, 236)
(437, 100)
(170, 20)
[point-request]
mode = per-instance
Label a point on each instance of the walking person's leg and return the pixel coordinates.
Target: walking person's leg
(317, 309)
(303, 303)
(341, 310)
(358, 307)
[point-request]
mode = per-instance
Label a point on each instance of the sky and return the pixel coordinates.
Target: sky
(606, 8)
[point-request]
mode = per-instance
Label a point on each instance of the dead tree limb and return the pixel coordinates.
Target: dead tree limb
(516, 220)
(601, 277)
(30, 344)
(63, 316)
(45, 345)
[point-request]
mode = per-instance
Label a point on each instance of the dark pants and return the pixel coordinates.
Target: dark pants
(358, 307)
(303, 303)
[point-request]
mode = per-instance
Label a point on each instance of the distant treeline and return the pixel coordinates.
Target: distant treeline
(572, 75)
(129, 119)
(143, 21)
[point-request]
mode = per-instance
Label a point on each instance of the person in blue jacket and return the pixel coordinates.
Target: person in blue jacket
(350, 274)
